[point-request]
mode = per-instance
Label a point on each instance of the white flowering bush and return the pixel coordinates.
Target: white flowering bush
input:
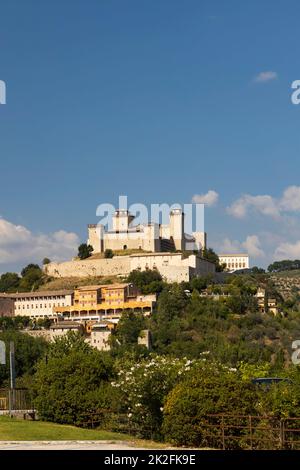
(144, 386)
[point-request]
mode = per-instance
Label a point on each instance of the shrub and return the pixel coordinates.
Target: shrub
(84, 251)
(72, 382)
(108, 253)
(144, 387)
(209, 388)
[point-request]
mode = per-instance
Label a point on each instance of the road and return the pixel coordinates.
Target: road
(68, 445)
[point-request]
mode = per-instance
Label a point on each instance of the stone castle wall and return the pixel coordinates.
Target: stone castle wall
(119, 265)
(172, 266)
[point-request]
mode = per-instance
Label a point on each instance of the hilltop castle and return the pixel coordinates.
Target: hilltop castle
(165, 247)
(150, 237)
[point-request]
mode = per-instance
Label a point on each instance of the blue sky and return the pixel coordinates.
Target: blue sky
(160, 100)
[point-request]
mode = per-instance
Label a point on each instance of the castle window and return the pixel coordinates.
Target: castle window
(125, 247)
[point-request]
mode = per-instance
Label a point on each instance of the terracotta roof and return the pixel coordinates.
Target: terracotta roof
(49, 293)
(101, 286)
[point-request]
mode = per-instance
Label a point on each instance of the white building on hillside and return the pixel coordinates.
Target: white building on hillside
(234, 261)
(41, 304)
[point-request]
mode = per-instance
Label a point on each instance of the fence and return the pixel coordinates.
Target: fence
(16, 399)
(218, 431)
(229, 431)
(116, 422)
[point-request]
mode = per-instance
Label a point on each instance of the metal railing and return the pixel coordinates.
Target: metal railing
(230, 431)
(15, 400)
(218, 431)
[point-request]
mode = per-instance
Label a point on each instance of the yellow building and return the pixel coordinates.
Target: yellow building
(109, 300)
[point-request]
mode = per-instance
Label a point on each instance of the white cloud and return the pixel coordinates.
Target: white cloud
(18, 244)
(290, 200)
(264, 77)
(267, 205)
(263, 204)
(287, 251)
(253, 246)
(230, 246)
(210, 198)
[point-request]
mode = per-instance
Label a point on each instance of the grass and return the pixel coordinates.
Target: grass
(292, 273)
(13, 429)
(70, 283)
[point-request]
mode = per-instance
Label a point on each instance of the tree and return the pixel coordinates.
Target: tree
(72, 382)
(108, 253)
(166, 324)
(143, 387)
(85, 251)
(9, 282)
(46, 261)
(71, 342)
(284, 265)
(28, 351)
(32, 277)
(200, 283)
(211, 255)
(256, 270)
(207, 389)
(29, 268)
(148, 281)
(128, 329)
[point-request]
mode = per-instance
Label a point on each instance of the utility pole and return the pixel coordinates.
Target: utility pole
(2, 353)
(12, 400)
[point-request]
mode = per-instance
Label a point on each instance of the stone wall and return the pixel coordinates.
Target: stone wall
(119, 265)
(172, 266)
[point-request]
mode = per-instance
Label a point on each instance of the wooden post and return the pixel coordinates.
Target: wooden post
(223, 432)
(250, 430)
(282, 434)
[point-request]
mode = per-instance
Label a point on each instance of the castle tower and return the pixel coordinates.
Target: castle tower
(96, 234)
(200, 240)
(177, 228)
(121, 220)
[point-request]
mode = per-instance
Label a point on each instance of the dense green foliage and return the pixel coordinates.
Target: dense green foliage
(124, 339)
(143, 387)
(84, 251)
(28, 351)
(209, 388)
(148, 281)
(72, 381)
(285, 265)
(211, 255)
(208, 342)
(31, 278)
(108, 253)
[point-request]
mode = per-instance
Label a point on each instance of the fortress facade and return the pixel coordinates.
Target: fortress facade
(150, 237)
(165, 247)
